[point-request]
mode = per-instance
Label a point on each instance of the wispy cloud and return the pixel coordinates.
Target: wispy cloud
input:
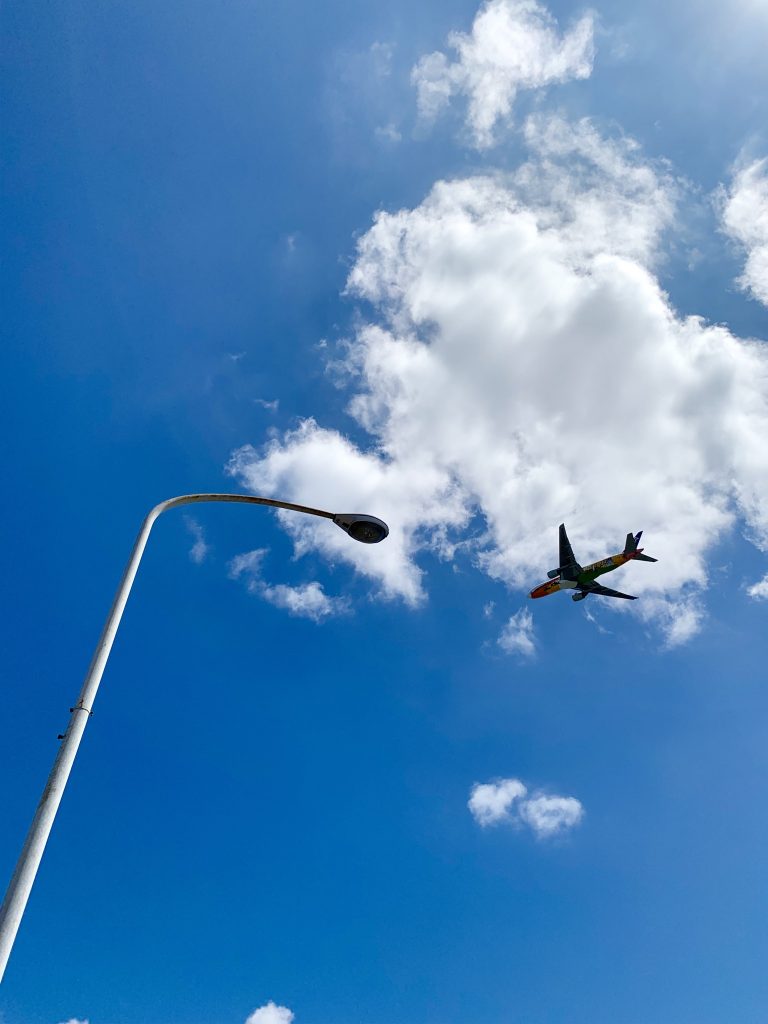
(590, 617)
(270, 406)
(517, 636)
(388, 133)
(513, 44)
(270, 1014)
(679, 618)
(506, 801)
(199, 550)
(307, 600)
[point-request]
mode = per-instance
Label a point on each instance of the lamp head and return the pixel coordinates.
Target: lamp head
(366, 529)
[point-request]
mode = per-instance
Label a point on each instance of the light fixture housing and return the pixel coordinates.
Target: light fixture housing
(366, 529)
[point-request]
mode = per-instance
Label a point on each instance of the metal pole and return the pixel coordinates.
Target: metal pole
(32, 852)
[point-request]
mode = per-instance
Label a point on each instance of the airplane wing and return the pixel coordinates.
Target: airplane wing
(598, 588)
(567, 557)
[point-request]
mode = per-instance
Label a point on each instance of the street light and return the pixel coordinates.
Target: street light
(366, 529)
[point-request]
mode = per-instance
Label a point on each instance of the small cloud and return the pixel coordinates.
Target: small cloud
(381, 58)
(199, 550)
(235, 357)
(506, 801)
(75, 1020)
(491, 802)
(513, 45)
(388, 133)
(270, 1014)
(488, 609)
(269, 406)
(759, 591)
(308, 600)
(548, 815)
(517, 635)
(248, 566)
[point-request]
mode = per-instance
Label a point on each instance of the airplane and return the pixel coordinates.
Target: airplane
(572, 576)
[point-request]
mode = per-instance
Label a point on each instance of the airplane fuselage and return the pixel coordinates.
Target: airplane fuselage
(588, 574)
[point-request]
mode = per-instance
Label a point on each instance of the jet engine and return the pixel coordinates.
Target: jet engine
(553, 573)
(580, 596)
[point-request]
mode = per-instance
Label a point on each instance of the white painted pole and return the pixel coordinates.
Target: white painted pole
(32, 852)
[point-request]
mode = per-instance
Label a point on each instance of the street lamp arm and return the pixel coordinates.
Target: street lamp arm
(249, 499)
(364, 528)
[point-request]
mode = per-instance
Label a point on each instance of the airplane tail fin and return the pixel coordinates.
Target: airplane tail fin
(630, 548)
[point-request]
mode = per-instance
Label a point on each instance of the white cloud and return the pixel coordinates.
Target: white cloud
(548, 815)
(270, 1014)
(744, 210)
(199, 550)
(389, 133)
(759, 591)
(522, 367)
(513, 44)
(679, 618)
(506, 801)
(380, 55)
(75, 1020)
(597, 193)
(517, 636)
(491, 802)
(307, 600)
(272, 406)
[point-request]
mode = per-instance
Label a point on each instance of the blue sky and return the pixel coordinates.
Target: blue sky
(477, 270)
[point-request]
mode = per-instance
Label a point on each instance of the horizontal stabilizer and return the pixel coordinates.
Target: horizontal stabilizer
(645, 558)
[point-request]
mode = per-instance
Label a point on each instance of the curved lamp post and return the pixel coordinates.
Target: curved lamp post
(366, 529)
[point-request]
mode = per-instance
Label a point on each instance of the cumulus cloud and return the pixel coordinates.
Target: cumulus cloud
(270, 1014)
(517, 636)
(307, 600)
(520, 366)
(491, 802)
(759, 591)
(609, 200)
(548, 815)
(199, 550)
(513, 44)
(744, 209)
(507, 801)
